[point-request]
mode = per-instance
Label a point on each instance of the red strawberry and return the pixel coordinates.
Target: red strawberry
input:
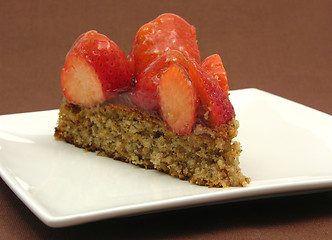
(177, 99)
(217, 109)
(95, 70)
(214, 65)
(145, 92)
(166, 32)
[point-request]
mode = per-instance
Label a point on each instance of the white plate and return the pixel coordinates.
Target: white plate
(287, 148)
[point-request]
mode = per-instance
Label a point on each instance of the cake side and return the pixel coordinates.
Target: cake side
(204, 157)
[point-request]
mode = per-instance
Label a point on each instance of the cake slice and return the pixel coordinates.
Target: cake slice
(204, 157)
(159, 109)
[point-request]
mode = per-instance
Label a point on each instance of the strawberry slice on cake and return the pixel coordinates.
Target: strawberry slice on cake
(96, 70)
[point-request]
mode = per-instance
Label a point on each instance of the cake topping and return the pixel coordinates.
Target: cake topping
(95, 70)
(164, 64)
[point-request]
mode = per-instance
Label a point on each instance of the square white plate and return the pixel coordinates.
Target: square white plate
(287, 149)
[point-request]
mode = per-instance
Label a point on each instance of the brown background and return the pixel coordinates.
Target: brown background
(283, 47)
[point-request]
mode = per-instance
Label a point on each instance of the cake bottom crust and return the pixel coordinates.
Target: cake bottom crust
(204, 157)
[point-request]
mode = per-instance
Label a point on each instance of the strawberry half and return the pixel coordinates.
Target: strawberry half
(95, 70)
(214, 65)
(178, 100)
(166, 32)
(145, 93)
(215, 106)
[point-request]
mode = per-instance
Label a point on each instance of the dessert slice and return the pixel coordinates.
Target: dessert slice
(159, 108)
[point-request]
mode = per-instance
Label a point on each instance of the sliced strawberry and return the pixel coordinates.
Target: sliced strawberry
(95, 70)
(145, 93)
(80, 84)
(214, 65)
(177, 100)
(216, 109)
(166, 32)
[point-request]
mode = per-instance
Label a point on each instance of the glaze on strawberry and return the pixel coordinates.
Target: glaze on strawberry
(166, 32)
(214, 65)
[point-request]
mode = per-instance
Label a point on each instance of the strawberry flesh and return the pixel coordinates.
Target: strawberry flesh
(177, 100)
(80, 84)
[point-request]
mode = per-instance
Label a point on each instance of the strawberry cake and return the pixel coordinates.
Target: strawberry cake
(160, 107)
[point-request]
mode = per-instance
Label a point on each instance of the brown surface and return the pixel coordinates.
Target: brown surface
(283, 47)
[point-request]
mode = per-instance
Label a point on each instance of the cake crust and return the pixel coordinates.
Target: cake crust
(206, 157)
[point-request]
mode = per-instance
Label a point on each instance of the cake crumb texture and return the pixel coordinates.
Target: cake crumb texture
(204, 157)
